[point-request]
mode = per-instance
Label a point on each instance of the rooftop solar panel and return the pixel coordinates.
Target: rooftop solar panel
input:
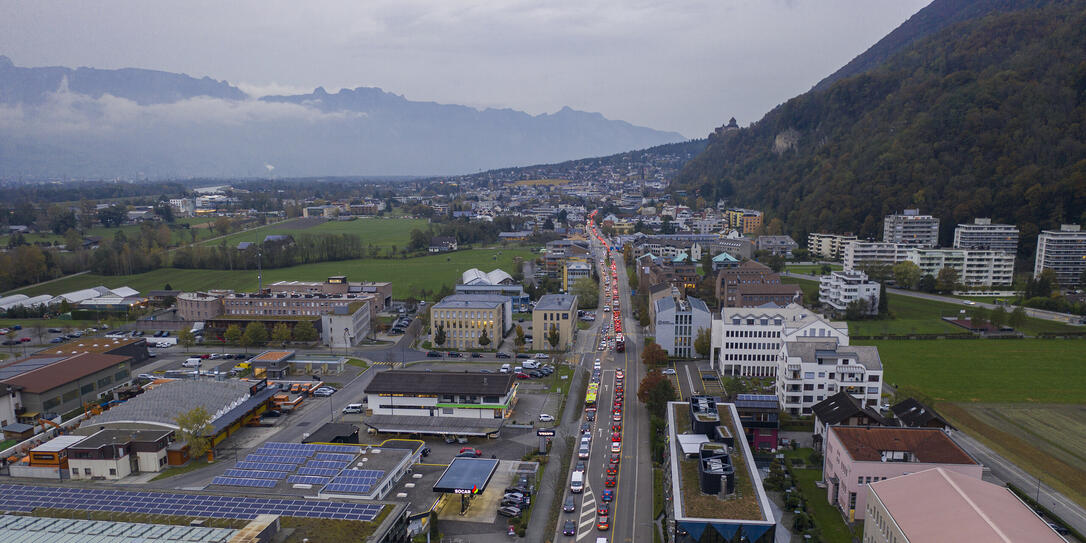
(307, 480)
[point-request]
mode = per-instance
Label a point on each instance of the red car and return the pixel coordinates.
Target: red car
(24, 339)
(614, 458)
(522, 375)
(617, 436)
(612, 470)
(603, 524)
(471, 450)
(616, 427)
(610, 481)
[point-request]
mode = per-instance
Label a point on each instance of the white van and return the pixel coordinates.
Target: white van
(192, 362)
(506, 368)
(352, 408)
(531, 364)
(576, 484)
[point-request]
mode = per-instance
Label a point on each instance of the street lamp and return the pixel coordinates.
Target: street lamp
(346, 340)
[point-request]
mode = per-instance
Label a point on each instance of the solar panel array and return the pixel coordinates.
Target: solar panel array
(26, 498)
(354, 481)
(243, 481)
(297, 462)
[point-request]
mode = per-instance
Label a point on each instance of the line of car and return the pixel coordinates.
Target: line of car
(516, 499)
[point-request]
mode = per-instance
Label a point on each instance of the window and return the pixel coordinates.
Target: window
(113, 471)
(87, 388)
(75, 471)
(852, 500)
(105, 381)
(86, 471)
(808, 375)
(70, 395)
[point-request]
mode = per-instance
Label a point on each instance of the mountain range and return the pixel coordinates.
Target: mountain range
(93, 123)
(981, 117)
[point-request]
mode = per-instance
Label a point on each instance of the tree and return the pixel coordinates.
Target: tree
(655, 391)
(906, 274)
(653, 354)
(884, 300)
(222, 225)
(548, 224)
(627, 254)
(553, 337)
(112, 216)
(519, 340)
(587, 292)
(484, 339)
(439, 335)
(186, 338)
(947, 280)
(978, 315)
(419, 240)
(706, 263)
(193, 427)
(703, 344)
(1017, 318)
(232, 334)
(775, 227)
(305, 332)
(927, 283)
(72, 240)
(281, 333)
(857, 309)
(61, 219)
(255, 334)
(998, 318)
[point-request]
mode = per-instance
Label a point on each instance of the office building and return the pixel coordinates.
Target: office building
(677, 323)
(911, 229)
(841, 288)
(984, 235)
(1064, 252)
(554, 312)
(748, 341)
(466, 318)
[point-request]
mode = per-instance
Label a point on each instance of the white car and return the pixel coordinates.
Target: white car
(543, 356)
(670, 371)
(543, 417)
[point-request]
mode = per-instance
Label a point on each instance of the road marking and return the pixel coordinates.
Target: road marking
(586, 523)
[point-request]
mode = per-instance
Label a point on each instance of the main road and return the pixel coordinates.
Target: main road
(631, 510)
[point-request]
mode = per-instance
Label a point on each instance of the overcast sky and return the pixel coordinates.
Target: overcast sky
(685, 66)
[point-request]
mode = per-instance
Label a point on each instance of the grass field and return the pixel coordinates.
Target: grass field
(379, 232)
(810, 269)
(180, 235)
(1026, 370)
(1046, 440)
(920, 316)
(430, 272)
(826, 516)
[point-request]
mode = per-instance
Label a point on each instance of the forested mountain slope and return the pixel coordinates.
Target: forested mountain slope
(986, 118)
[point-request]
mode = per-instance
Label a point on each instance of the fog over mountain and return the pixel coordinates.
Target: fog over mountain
(85, 122)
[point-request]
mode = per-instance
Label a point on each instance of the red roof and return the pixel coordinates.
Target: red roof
(866, 444)
(64, 371)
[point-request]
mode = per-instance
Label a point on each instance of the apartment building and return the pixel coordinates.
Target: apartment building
(859, 456)
(1064, 252)
(911, 229)
(465, 317)
(677, 323)
(858, 255)
(752, 284)
(554, 311)
(984, 235)
(746, 221)
(810, 369)
(974, 267)
(777, 245)
(828, 246)
(841, 288)
(748, 341)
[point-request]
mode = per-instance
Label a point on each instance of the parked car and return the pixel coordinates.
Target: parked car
(503, 355)
(272, 413)
(524, 355)
(543, 356)
(475, 453)
(476, 355)
(669, 371)
(454, 354)
(57, 340)
(509, 511)
(543, 417)
(522, 375)
(324, 392)
(433, 354)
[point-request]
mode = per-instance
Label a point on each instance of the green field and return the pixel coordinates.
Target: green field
(978, 370)
(429, 272)
(920, 316)
(810, 269)
(827, 517)
(377, 231)
(1046, 440)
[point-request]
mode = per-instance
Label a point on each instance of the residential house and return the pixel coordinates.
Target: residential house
(812, 368)
(442, 244)
(839, 289)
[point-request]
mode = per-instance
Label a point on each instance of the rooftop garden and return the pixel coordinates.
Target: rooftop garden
(742, 506)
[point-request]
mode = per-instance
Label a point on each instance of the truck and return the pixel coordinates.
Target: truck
(197, 329)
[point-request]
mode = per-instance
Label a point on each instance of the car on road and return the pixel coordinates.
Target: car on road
(669, 371)
(615, 457)
(603, 510)
(603, 523)
(324, 391)
(610, 481)
(616, 446)
(543, 417)
(472, 450)
(524, 355)
(617, 416)
(476, 355)
(433, 354)
(612, 469)
(570, 505)
(590, 416)
(10, 342)
(569, 528)
(502, 355)
(57, 340)
(586, 428)
(579, 467)
(509, 511)
(454, 354)
(616, 437)
(616, 426)
(969, 302)
(607, 496)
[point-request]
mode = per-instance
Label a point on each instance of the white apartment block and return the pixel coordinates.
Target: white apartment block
(860, 254)
(841, 288)
(828, 246)
(678, 322)
(812, 369)
(982, 234)
(1064, 252)
(747, 341)
(911, 228)
(975, 268)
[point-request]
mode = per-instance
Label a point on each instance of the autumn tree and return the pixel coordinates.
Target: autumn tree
(186, 339)
(906, 274)
(703, 344)
(553, 337)
(193, 429)
(519, 340)
(232, 334)
(655, 391)
(653, 354)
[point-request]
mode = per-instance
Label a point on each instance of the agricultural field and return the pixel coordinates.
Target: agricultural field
(1047, 440)
(986, 370)
(373, 230)
(426, 272)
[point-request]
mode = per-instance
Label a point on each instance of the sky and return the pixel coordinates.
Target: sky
(684, 66)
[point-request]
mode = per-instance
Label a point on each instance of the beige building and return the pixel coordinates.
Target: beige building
(465, 317)
(943, 505)
(828, 246)
(114, 454)
(554, 311)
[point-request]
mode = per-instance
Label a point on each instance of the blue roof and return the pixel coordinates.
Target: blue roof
(724, 257)
(681, 257)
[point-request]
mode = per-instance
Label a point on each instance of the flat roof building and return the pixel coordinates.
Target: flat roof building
(911, 229)
(440, 403)
(467, 318)
(1064, 252)
(558, 311)
(984, 235)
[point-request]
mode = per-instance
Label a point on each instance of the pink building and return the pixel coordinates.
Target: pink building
(939, 505)
(859, 455)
